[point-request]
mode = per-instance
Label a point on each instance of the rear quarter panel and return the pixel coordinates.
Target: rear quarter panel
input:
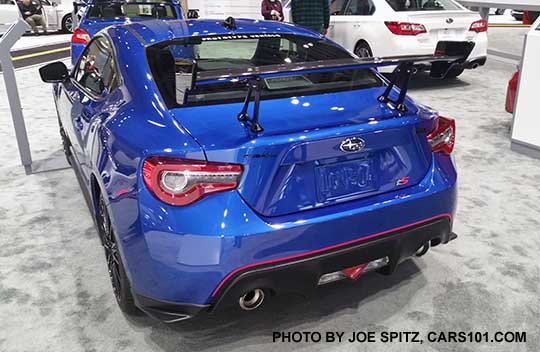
(138, 126)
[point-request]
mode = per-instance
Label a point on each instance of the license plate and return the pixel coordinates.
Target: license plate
(344, 179)
(447, 34)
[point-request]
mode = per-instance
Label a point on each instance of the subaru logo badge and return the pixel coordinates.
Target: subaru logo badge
(351, 145)
(449, 20)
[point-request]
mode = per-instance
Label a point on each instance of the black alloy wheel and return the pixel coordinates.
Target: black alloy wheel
(120, 283)
(66, 144)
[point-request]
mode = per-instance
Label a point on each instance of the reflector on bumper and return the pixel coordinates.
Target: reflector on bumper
(354, 272)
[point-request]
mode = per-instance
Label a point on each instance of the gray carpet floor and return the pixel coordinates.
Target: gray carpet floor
(55, 293)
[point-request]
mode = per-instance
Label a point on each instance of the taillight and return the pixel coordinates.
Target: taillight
(405, 28)
(80, 36)
(479, 26)
(511, 93)
(443, 136)
(182, 182)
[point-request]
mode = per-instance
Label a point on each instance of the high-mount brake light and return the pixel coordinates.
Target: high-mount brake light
(182, 182)
(479, 26)
(405, 28)
(80, 36)
(443, 136)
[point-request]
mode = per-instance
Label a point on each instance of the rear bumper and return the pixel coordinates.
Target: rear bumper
(470, 64)
(303, 271)
(168, 312)
(186, 254)
(410, 46)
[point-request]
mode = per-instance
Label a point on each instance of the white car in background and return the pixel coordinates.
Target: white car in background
(406, 27)
(58, 16)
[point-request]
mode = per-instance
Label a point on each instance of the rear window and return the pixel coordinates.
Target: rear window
(423, 5)
(162, 9)
(172, 67)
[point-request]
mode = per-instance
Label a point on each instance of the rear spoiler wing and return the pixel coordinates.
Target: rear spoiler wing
(283, 70)
(448, 55)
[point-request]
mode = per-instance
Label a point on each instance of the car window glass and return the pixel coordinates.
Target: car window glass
(360, 8)
(213, 55)
(172, 67)
(337, 7)
(95, 71)
(163, 9)
(422, 5)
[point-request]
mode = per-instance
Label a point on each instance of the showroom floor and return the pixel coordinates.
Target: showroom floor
(55, 293)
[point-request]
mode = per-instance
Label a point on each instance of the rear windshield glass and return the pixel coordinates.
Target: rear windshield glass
(172, 67)
(423, 5)
(132, 9)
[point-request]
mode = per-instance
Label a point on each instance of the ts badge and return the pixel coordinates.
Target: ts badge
(403, 181)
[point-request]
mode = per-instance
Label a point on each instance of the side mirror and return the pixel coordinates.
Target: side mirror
(54, 73)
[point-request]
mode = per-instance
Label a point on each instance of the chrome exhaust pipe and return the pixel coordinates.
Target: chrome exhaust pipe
(252, 300)
(423, 250)
(414, 70)
(475, 66)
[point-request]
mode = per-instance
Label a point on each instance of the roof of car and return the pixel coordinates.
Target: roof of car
(155, 31)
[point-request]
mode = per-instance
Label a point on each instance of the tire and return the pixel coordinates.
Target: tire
(499, 12)
(67, 23)
(363, 50)
(454, 73)
(119, 280)
(66, 144)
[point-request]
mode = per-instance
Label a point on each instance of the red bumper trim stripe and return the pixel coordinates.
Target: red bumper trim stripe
(305, 254)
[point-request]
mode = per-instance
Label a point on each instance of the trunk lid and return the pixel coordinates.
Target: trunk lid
(445, 25)
(297, 163)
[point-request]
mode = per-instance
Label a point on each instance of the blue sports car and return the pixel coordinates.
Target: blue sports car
(96, 15)
(226, 162)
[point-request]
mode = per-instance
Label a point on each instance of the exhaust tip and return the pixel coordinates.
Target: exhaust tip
(475, 66)
(252, 300)
(423, 250)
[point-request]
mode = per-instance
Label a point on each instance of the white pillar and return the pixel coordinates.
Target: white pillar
(6, 42)
(526, 128)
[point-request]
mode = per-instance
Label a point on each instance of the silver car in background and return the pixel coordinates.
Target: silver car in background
(58, 15)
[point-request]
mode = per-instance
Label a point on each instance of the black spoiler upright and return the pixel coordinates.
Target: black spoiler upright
(448, 56)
